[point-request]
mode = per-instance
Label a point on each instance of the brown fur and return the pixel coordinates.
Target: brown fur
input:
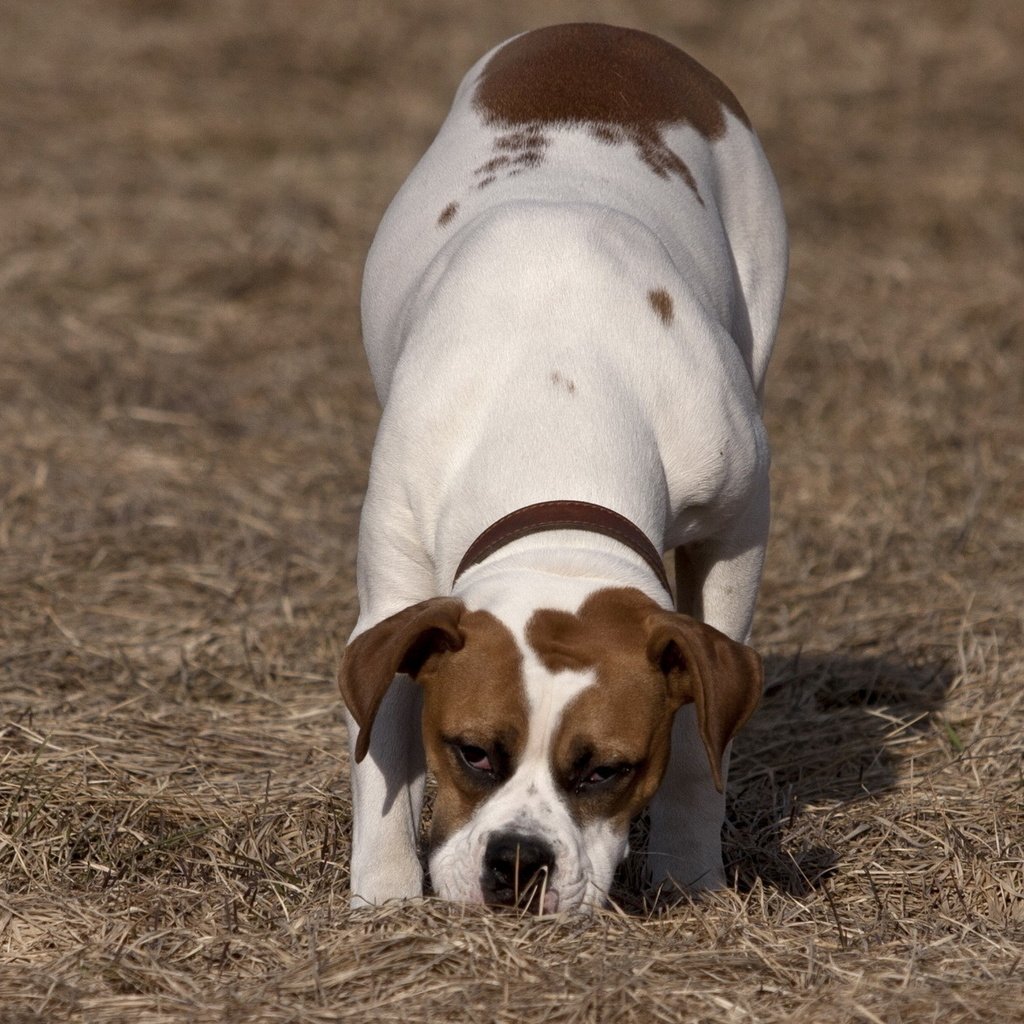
(649, 662)
(470, 669)
(403, 642)
(624, 85)
(446, 216)
(475, 695)
(661, 303)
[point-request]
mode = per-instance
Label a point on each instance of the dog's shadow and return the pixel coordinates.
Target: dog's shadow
(829, 732)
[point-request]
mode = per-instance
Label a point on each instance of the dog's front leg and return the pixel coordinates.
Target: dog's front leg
(387, 798)
(687, 812)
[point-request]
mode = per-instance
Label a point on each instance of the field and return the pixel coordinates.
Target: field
(187, 192)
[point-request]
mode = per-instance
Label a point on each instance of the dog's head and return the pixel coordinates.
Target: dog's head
(548, 731)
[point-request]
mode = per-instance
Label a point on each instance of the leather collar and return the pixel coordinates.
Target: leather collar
(563, 515)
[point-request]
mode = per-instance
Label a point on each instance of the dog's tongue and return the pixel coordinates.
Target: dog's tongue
(550, 904)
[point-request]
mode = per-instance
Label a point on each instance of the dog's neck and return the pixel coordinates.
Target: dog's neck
(556, 569)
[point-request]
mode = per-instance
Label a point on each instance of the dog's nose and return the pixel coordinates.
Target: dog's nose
(516, 870)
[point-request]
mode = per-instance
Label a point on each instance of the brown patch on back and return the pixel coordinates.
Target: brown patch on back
(622, 84)
(447, 214)
(662, 303)
(474, 694)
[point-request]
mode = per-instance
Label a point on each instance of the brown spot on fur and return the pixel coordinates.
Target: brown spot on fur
(518, 150)
(447, 214)
(563, 382)
(474, 694)
(649, 662)
(622, 84)
(662, 303)
(494, 164)
(489, 180)
(530, 137)
(530, 158)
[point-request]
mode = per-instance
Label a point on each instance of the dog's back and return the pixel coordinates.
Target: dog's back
(594, 120)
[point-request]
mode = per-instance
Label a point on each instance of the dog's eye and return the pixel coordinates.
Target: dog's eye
(605, 773)
(476, 758)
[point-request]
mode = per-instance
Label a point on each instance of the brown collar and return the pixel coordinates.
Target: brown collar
(563, 515)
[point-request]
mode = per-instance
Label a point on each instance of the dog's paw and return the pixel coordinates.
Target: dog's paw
(372, 889)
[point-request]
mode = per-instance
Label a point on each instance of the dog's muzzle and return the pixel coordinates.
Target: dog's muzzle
(517, 873)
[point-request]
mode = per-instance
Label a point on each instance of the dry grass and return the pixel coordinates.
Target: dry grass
(188, 190)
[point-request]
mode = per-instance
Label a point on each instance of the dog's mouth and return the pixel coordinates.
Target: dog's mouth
(537, 896)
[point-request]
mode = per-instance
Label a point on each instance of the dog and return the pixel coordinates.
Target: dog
(568, 311)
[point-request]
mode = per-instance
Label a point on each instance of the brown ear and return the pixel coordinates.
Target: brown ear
(723, 678)
(401, 643)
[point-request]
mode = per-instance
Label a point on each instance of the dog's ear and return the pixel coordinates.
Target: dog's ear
(402, 643)
(723, 678)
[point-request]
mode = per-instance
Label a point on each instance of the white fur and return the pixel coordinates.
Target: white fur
(472, 331)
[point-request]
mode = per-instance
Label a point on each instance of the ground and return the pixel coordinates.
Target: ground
(187, 192)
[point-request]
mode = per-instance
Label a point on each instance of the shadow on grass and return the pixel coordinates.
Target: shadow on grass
(828, 733)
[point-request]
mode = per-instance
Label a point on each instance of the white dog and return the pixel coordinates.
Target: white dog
(568, 312)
